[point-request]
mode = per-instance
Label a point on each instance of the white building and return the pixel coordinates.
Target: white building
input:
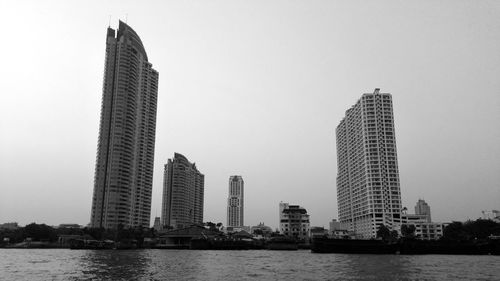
(337, 230)
(424, 229)
(422, 208)
(235, 202)
(294, 221)
(493, 215)
(368, 189)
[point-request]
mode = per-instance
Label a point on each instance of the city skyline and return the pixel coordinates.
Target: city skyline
(255, 89)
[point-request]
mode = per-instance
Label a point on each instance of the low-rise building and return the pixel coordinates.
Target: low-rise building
(424, 229)
(318, 231)
(338, 230)
(157, 224)
(493, 215)
(9, 225)
(70, 225)
(261, 229)
(294, 221)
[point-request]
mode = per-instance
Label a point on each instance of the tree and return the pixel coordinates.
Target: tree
(383, 232)
(219, 226)
(455, 231)
(40, 232)
(408, 230)
(394, 235)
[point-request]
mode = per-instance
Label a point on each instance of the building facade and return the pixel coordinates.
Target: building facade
(493, 215)
(235, 202)
(424, 229)
(183, 192)
(125, 152)
(422, 208)
(294, 221)
(368, 189)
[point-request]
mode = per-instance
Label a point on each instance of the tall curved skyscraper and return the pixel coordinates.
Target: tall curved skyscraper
(125, 151)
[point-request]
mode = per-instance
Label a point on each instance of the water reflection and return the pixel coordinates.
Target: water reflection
(377, 267)
(61, 264)
(115, 265)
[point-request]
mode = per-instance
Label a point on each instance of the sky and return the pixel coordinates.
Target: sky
(254, 88)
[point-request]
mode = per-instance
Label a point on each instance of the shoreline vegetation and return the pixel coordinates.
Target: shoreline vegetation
(480, 237)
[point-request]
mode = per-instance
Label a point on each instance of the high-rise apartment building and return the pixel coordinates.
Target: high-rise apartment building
(368, 190)
(422, 208)
(125, 152)
(235, 202)
(183, 191)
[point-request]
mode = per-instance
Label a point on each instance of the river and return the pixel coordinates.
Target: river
(64, 264)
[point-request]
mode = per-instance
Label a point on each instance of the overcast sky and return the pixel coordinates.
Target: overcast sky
(254, 88)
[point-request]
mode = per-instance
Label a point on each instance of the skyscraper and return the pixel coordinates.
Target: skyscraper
(235, 202)
(422, 208)
(183, 191)
(368, 191)
(125, 151)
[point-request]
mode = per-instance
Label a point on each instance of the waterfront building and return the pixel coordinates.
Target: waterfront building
(157, 224)
(261, 229)
(317, 231)
(422, 208)
(125, 153)
(493, 215)
(183, 192)
(337, 229)
(70, 225)
(424, 229)
(235, 202)
(232, 229)
(294, 221)
(9, 225)
(368, 188)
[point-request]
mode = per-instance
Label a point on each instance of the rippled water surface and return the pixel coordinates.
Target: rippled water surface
(62, 264)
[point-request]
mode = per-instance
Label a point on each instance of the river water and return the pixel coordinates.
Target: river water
(64, 264)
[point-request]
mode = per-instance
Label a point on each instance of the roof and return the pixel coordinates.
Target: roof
(192, 231)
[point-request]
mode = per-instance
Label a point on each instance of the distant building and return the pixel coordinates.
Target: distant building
(424, 230)
(235, 202)
(317, 231)
(337, 229)
(123, 178)
(180, 238)
(183, 192)
(9, 225)
(294, 221)
(261, 229)
(70, 225)
(157, 224)
(231, 229)
(368, 189)
(422, 208)
(493, 215)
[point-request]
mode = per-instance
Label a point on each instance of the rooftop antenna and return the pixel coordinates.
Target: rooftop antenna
(126, 18)
(109, 22)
